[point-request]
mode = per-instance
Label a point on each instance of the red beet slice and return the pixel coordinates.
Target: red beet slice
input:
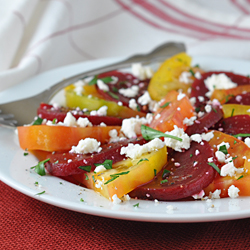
(238, 124)
(205, 122)
(199, 88)
(243, 99)
(186, 177)
(47, 111)
(65, 163)
(124, 80)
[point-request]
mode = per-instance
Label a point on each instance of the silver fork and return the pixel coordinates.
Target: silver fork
(23, 111)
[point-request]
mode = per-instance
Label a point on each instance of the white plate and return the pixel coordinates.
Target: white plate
(15, 167)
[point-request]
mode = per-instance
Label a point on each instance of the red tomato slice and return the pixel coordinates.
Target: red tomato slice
(173, 114)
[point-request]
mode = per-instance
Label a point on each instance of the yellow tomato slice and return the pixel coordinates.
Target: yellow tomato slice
(93, 103)
(57, 138)
(173, 114)
(238, 149)
(222, 95)
(235, 109)
(166, 78)
(132, 173)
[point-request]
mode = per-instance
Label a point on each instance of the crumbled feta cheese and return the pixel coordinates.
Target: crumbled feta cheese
(142, 72)
(175, 144)
(247, 141)
(79, 87)
(189, 121)
(145, 99)
(201, 98)
(132, 104)
(204, 136)
(199, 195)
(115, 199)
(215, 194)
(233, 191)
(102, 86)
(85, 146)
(99, 169)
(200, 114)
(218, 81)
(192, 100)
(230, 170)
(132, 126)
(220, 156)
(197, 75)
(102, 111)
(222, 144)
(185, 77)
(208, 108)
(83, 122)
(113, 135)
(238, 98)
(134, 151)
(130, 92)
(102, 124)
(180, 96)
(69, 120)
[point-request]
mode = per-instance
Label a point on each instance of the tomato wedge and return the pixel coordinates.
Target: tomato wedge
(59, 138)
(240, 153)
(172, 112)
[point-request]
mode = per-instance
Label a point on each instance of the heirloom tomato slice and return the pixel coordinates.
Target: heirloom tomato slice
(240, 153)
(59, 138)
(172, 112)
(235, 109)
(125, 175)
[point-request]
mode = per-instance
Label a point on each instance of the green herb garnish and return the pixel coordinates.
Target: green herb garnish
(241, 135)
(223, 149)
(136, 205)
(143, 159)
(115, 176)
(150, 134)
(43, 192)
(165, 105)
(107, 164)
(212, 164)
(85, 168)
(165, 171)
(25, 153)
(113, 95)
(105, 80)
(232, 112)
(164, 181)
(82, 200)
(155, 172)
(86, 177)
(38, 121)
(240, 177)
(39, 168)
(192, 72)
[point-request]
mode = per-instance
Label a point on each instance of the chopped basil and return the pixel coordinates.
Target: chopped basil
(113, 95)
(36, 183)
(85, 168)
(155, 172)
(223, 149)
(136, 205)
(241, 135)
(38, 121)
(192, 72)
(232, 112)
(82, 200)
(107, 164)
(150, 134)
(164, 181)
(25, 153)
(165, 105)
(240, 177)
(165, 171)
(39, 168)
(43, 192)
(104, 79)
(143, 159)
(212, 164)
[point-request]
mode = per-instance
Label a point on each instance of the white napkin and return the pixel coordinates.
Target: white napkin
(39, 35)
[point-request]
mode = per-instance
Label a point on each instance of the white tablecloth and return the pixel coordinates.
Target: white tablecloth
(39, 35)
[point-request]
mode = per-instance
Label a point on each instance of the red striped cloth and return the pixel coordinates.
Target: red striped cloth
(26, 223)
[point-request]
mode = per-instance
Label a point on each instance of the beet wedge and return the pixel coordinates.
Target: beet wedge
(187, 175)
(65, 163)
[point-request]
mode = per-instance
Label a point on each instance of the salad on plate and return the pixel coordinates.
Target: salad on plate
(171, 134)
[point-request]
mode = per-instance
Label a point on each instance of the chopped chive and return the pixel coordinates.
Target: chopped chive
(240, 177)
(155, 172)
(43, 192)
(235, 157)
(110, 180)
(192, 72)
(36, 183)
(196, 66)
(54, 121)
(165, 171)
(85, 168)
(232, 112)
(86, 177)
(25, 153)
(38, 121)
(136, 205)
(143, 159)
(115, 176)
(214, 110)
(241, 135)
(212, 164)
(93, 177)
(105, 80)
(165, 105)
(107, 164)
(150, 134)
(113, 95)
(191, 155)
(82, 200)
